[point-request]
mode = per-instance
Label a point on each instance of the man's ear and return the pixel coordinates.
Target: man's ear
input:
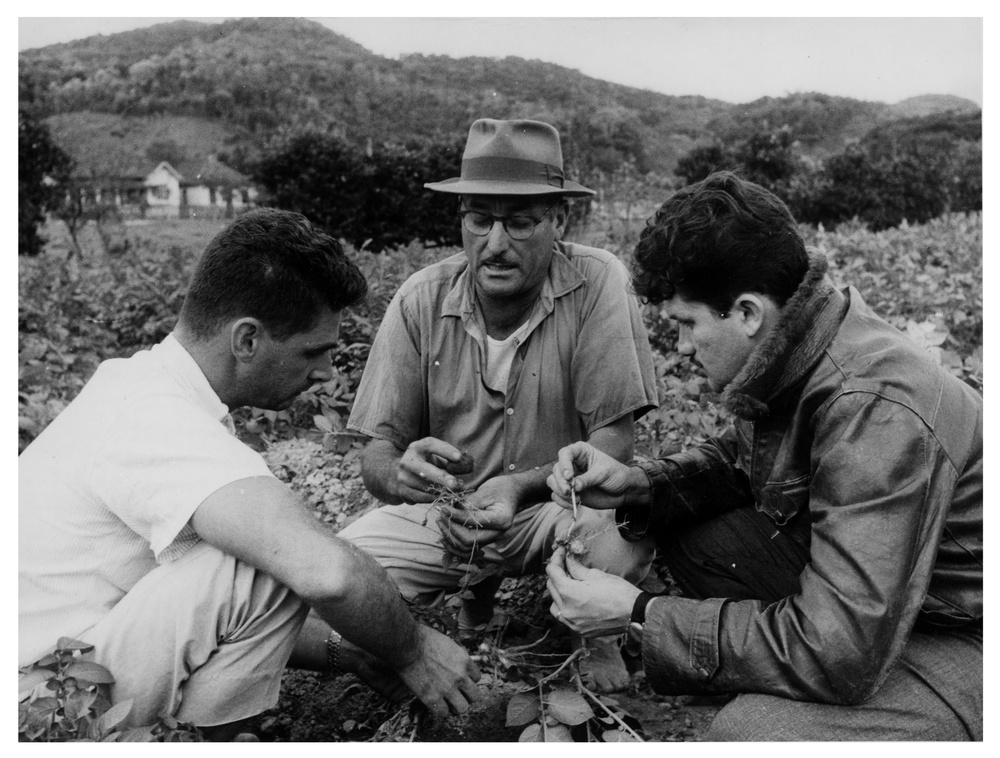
(560, 216)
(753, 312)
(246, 334)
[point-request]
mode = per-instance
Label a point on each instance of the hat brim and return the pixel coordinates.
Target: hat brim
(491, 187)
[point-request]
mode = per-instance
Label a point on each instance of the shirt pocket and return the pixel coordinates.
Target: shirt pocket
(782, 501)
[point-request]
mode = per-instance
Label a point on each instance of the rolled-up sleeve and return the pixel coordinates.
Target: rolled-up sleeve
(389, 403)
(612, 365)
(681, 640)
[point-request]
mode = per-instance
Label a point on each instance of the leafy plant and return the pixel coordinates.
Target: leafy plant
(556, 710)
(64, 698)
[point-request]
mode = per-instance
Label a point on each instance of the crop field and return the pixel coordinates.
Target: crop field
(74, 312)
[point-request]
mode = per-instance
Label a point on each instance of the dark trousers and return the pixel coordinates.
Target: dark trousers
(934, 692)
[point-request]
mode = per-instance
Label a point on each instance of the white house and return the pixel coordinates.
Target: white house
(214, 191)
(163, 192)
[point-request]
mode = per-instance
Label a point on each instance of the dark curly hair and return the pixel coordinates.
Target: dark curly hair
(273, 265)
(718, 238)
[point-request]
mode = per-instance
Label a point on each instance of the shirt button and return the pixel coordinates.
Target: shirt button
(510, 411)
(510, 467)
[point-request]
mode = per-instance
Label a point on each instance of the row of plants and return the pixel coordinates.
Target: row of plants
(72, 314)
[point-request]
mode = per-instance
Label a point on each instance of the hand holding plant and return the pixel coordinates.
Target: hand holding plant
(599, 480)
(428, 464)
(590, 602)
(485, 516)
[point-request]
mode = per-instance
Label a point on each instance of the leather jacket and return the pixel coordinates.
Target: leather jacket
(858, 445)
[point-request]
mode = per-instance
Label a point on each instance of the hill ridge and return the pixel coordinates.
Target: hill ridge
(256, 77)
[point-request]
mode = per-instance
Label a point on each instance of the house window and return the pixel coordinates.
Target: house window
(161, 192)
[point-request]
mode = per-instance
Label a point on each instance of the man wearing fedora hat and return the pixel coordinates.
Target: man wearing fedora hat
(488, 362)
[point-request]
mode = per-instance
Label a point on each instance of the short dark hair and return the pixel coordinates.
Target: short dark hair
(275, 266)
(717, 238)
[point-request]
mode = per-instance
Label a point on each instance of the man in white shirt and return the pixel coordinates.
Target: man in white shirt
(149, 531)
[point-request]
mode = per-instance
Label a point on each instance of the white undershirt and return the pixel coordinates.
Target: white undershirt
(500, 357)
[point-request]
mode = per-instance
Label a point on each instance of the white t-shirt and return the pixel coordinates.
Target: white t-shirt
(500, 357)
(107, 491)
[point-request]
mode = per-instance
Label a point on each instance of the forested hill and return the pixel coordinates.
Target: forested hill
(253, 77)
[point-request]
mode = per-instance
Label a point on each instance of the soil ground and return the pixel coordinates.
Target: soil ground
(323, 708)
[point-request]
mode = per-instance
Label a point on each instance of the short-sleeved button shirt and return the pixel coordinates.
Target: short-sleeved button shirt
(107, 491)
(584, 363)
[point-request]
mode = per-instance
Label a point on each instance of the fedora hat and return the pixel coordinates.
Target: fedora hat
(512, 158)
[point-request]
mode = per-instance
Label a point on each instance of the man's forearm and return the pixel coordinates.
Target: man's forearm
(378, 469)
(639, 491)
(262, 522)
(531, 485)
(370, 611)
(616, 439)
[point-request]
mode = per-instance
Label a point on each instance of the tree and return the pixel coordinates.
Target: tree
(372, 197)
(912, 170)
(43, 171)
(704, 160)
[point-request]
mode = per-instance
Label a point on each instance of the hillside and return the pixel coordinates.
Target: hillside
(245, 79)
(106, 144)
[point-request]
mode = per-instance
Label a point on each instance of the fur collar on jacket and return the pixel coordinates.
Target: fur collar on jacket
(805, 327)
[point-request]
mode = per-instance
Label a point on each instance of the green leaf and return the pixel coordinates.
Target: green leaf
(50, 661)
(619, 735)
(78, 704)
(68, 643)
(523, 708)
(27, 682)
(559, 733)
(88, 671)
(44, 707)
(568, 706)
(138, 734)
(114, 716)
(532, 733)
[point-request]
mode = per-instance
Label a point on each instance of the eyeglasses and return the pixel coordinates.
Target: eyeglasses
(519, 227)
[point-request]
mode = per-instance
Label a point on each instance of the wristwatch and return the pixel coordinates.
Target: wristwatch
(633, 635)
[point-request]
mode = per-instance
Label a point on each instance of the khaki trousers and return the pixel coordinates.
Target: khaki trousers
(204, 638)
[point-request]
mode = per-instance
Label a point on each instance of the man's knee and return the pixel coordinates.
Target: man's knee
(608, 551)
(752, 718)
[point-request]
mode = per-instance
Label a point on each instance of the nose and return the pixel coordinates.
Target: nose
(497, 239)
(685, 345)
(324, 371)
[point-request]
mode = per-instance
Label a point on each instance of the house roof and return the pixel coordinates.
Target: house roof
(169, 169)
(216, 174)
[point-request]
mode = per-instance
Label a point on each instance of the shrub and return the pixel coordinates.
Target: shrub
(42, 169)
(64, 698)
(911, 170)
(374, 199)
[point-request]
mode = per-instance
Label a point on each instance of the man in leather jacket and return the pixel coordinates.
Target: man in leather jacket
(829, 543)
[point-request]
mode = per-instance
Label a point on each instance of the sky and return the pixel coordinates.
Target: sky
(867, 56)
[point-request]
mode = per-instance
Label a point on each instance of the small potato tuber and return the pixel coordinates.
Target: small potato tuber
(463, 465)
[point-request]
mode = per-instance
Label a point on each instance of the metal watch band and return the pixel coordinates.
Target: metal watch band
(333, 652)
